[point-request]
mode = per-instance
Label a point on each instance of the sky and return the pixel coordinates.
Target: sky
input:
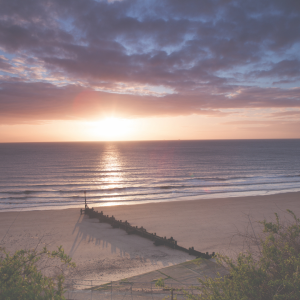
(98, 70)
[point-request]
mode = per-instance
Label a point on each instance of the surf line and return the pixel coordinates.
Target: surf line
(157, 240)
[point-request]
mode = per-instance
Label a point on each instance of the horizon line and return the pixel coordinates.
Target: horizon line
(162, 140)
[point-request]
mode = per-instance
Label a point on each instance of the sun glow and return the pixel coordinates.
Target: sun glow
(112, 129)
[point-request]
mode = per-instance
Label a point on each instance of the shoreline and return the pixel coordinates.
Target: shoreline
(104, 253)
(133, 203)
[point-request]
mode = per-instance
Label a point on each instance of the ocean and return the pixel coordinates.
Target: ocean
(55, 175)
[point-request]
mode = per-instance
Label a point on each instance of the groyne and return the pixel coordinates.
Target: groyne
(141, 231)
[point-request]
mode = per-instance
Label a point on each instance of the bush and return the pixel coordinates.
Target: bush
(20, 277)
(160, 282)
(273, 274)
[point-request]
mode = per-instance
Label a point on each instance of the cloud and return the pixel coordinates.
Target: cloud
(282, 69)
(286, 114)
(44, 101)
(213, 55)
(5, 66)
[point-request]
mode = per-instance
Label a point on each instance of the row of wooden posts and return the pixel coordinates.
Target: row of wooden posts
(171, 243)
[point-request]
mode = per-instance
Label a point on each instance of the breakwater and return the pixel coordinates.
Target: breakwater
(157, 240)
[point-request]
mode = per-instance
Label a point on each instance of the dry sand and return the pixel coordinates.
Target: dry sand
(104, 253)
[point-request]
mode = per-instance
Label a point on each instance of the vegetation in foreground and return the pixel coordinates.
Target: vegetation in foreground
(21, 278)
(273, 273)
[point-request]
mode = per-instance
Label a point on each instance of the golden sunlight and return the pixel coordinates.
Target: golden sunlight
(112, 129)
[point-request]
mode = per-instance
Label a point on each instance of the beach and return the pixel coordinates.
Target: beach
(105, 254)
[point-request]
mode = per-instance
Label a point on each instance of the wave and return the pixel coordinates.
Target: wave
(167, 187)
(187, 184)
(144, 192)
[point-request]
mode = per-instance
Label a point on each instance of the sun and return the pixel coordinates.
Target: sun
(112, 129)
(113, 126)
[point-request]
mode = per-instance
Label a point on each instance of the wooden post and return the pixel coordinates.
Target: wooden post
(85, 198)
(111, 290)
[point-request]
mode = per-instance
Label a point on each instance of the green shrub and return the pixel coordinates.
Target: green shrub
(160, 282)
(20, 277)
(273, 274)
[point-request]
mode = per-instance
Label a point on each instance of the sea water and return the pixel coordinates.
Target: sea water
(55, 175)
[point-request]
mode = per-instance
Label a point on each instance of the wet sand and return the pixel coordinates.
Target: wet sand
(105, 254)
